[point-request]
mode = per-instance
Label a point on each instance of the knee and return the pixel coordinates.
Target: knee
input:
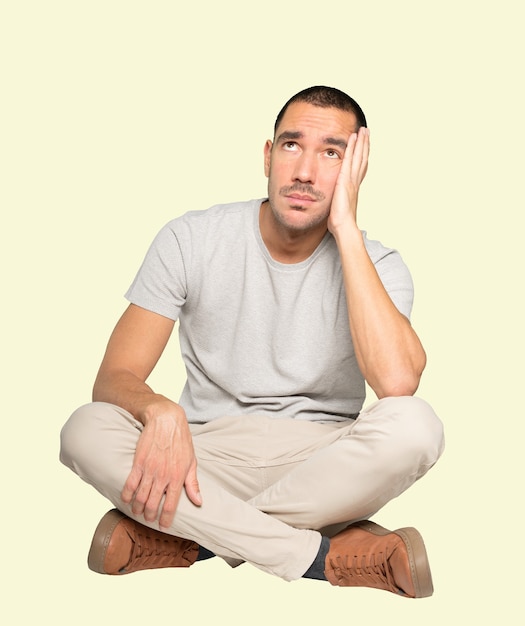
(422, 429)
(98, 443)
(93, 433)
(416, 430)
(76, 435)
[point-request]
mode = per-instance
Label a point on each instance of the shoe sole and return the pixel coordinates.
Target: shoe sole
(101, 539)
(417, 555)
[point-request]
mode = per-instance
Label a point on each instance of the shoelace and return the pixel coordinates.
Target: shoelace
(151, 552)
(367, 570)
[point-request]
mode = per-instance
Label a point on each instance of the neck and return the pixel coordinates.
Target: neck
(287, 245)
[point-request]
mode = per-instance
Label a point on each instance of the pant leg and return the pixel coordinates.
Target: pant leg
(393, 443)
(98, 443)
(315, 475)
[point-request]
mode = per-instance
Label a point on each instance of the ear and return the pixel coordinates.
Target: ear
(267, 157)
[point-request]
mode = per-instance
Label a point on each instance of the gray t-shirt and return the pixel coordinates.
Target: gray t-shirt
(256, 335)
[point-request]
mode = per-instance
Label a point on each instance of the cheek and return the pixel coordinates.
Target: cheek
(328, 180)
(278, 174)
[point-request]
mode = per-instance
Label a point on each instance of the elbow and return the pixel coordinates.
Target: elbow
(396, 389)
(402, 382)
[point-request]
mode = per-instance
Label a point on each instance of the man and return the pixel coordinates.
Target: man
(285, 309)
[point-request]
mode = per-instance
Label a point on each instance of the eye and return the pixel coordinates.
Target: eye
(332, 154)
(290, 145)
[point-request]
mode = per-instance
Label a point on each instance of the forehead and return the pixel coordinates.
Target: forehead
(311, 120)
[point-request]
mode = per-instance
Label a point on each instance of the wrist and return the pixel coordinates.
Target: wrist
(347, 233)
(157, 406)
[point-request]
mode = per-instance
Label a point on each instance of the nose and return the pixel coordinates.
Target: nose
(305, 169)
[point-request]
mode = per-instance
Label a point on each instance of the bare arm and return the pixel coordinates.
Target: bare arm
(388, 350)
(164, 460)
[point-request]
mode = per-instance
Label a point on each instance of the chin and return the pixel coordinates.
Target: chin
(299, 220)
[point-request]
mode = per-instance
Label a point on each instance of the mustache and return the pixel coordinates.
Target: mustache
(303, 188)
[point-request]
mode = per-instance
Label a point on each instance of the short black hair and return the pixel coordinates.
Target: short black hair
(322, 96)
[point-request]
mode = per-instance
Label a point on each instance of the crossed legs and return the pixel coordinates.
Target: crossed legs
(269, 485)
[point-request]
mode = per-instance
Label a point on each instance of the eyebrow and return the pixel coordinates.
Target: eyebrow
(333, 141)
(290, 135)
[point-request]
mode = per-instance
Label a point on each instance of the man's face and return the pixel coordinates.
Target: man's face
(303, 162)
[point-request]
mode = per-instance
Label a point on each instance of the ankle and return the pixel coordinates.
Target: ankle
(317, 568)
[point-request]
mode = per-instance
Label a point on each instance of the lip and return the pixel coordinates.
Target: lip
(301, 197)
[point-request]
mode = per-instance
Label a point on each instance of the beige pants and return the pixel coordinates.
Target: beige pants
(269, 485)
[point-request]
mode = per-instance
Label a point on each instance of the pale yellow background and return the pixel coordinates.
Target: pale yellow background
(117, 116)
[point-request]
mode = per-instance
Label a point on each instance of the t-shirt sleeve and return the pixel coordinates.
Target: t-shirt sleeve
(396, 279)
(394, 274)
(160, 284)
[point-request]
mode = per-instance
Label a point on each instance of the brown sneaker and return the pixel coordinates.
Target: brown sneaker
(367, 555)
(122, 546)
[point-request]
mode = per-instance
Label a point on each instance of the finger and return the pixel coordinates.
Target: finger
(192, 487)
(346, 166)
(169, 506)
(142, 495)
(366, 153)
(131, 484)
(359, 157)
(152, 505)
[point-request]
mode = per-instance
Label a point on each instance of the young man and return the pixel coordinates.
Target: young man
(285, 309)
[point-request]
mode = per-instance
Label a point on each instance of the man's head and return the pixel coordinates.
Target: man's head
(302, 162)
(325, 97)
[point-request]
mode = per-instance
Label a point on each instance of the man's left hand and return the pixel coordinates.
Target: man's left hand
(351, 174)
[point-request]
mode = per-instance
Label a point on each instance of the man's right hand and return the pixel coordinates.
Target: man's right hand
(164, 464)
